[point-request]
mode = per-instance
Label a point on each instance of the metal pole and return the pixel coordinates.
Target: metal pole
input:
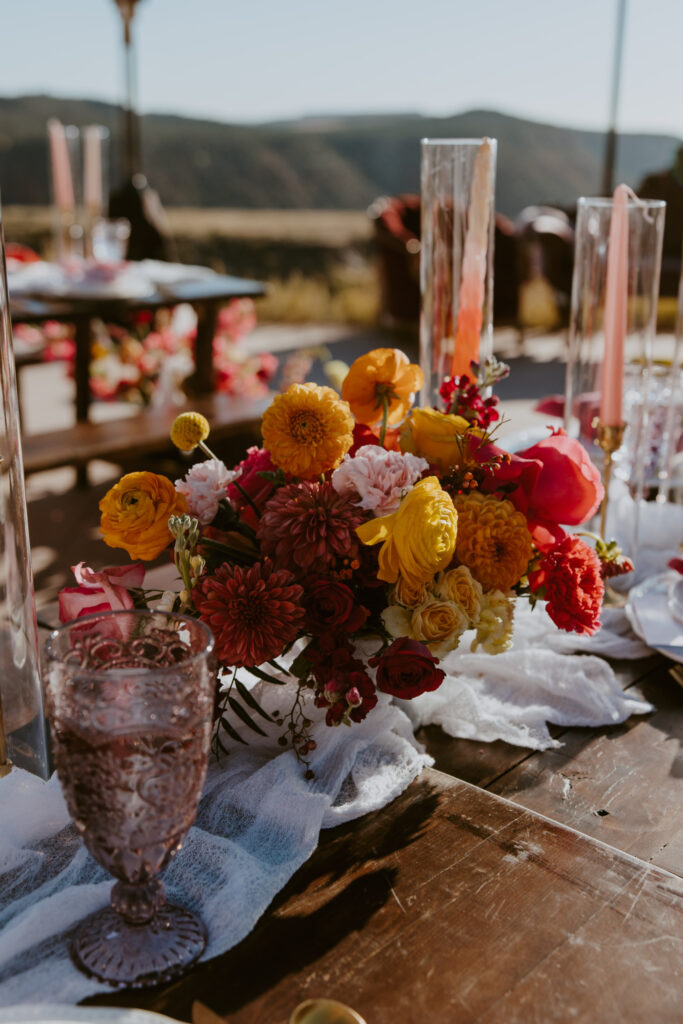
(131, 134)
(611, 140)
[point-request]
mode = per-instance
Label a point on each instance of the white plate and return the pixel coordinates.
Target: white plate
(659, 584)
(54, 1013)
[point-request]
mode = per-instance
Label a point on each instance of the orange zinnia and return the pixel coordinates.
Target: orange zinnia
(382, 373)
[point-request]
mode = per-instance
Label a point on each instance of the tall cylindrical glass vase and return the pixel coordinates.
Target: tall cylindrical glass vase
(456, 263)
(22, 720)
(610, 368)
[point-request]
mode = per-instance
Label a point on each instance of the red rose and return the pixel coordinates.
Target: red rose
(331, 605)
(259, 488)
(569, 578)
(406, 669)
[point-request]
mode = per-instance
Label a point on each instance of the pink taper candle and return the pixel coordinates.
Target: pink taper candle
(616, 301)
(62, 183)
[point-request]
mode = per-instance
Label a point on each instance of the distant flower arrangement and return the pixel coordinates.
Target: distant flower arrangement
(149, 362)
(362, 525)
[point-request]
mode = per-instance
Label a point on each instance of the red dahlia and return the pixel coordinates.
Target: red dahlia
(253, 613)
(308, 526)
(569, 578)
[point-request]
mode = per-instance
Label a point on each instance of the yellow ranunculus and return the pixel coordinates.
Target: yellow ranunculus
(458, 585)
(135, 514)
(436, 436)
(418, 540)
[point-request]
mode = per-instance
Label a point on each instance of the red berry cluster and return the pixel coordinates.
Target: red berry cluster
(463, 397)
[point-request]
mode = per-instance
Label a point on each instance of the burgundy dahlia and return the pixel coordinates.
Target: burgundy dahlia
(253, 613)
(309, 527)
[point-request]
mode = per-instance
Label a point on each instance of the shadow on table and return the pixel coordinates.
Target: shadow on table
(330, 898)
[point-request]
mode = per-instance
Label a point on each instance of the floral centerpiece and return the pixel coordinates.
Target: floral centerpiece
(361, 542)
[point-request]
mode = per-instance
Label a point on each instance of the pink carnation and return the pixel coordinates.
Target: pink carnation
(204, 486)
(378, 477)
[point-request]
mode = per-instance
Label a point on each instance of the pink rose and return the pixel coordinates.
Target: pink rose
(104, 591)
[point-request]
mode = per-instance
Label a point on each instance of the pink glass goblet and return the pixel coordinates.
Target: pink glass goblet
(130, 701)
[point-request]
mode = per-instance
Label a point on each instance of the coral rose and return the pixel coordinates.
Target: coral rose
(383, 374)
(135, 514)
(555, 482)
(418, 540)
(436, 436)
(406, 669)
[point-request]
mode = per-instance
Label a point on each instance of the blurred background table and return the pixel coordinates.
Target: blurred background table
(86, 441)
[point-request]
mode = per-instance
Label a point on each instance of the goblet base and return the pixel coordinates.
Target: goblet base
(127, 955)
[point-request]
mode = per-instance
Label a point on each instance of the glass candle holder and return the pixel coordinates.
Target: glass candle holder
(587, 367)
(587, 316)
(22, 720)
(456, 263)
(130, 699)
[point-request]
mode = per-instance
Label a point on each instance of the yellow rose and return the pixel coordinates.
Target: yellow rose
(418, 540)
(436, 436)
(408, 594)
(438, 624)
(459, 586)
(494, 629)
(135, 514)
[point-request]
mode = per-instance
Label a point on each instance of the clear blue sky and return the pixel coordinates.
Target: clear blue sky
(254, 60)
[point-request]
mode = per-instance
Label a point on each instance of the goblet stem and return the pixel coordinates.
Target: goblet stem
(138, 904)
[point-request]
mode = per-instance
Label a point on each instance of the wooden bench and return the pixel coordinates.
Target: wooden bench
(137, 435)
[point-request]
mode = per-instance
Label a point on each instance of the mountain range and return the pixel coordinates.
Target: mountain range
(321, 163)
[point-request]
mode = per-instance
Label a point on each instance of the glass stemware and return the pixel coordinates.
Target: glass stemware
(130, 701)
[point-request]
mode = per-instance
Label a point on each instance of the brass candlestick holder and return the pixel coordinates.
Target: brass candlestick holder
(609, 437)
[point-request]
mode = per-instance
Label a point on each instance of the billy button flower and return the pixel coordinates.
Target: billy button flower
(189, 431)
(380, 388)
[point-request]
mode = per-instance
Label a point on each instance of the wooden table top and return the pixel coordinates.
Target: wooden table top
(456, 904)
(213, 288)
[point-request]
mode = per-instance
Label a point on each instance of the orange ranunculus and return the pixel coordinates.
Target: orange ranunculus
(135, 514)
(382, 372)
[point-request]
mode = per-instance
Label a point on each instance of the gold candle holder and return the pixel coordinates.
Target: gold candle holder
(609, 437)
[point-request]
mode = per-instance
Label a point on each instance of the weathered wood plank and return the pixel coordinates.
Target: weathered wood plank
(621, 785)
(452, 905)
